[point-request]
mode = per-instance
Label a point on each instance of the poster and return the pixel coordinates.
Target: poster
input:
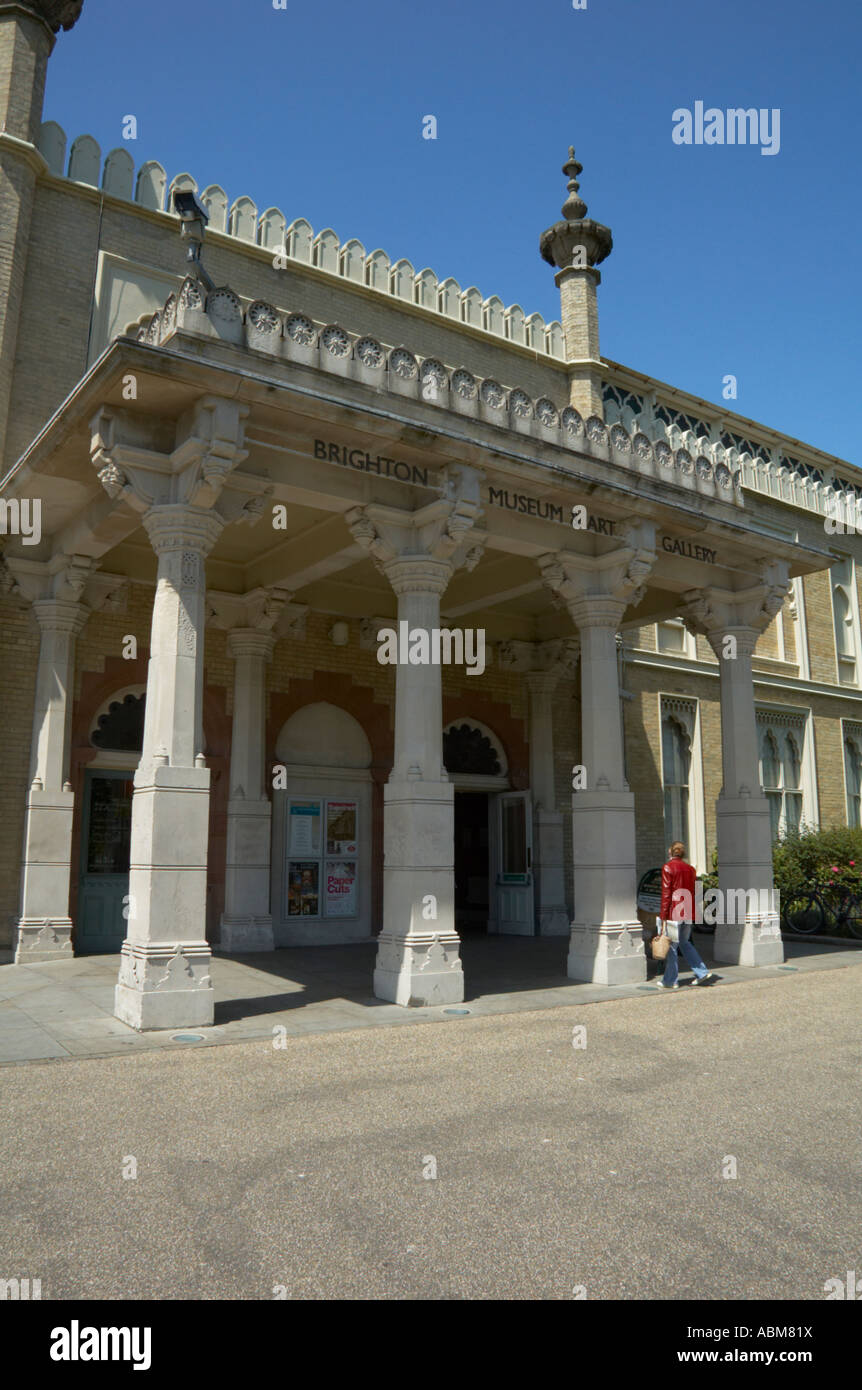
(341, 827)
(303, 897)
(304, 827)
(341, 888)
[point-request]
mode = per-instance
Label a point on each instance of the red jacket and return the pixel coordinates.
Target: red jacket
(675, 875)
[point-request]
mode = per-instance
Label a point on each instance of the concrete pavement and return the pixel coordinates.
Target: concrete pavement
(64, 1009)
(303, 1169)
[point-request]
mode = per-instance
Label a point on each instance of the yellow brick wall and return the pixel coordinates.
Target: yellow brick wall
(821, 626)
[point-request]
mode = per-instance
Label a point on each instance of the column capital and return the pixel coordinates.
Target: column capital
(60, 615)
(597, 589)
(552, 659)
(418, 574)
(174, 526)
(541, 682)
(444, 533)
(715, 613)
(249, 641)
(135, 469)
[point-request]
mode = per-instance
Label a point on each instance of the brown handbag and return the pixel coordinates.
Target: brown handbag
(660, 944)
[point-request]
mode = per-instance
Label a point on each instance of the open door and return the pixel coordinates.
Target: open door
(104, 879)
(515, 915)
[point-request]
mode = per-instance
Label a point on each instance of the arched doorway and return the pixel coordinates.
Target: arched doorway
(321, 829)
(493, 834)
(116, 733)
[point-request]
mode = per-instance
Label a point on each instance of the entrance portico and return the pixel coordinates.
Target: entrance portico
(434, 549)
(282, 488)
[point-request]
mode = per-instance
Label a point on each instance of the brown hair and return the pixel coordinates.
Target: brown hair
(677, 844)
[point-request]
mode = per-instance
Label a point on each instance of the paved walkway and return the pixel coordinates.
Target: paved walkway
(65, 1008)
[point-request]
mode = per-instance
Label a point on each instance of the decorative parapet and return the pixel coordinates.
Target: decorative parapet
(297, 242)
(760, 465)
(294, 336)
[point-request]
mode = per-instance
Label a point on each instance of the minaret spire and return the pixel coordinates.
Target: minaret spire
(576, 246)
(558, 242)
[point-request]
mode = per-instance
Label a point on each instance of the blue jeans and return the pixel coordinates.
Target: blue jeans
(671, 965)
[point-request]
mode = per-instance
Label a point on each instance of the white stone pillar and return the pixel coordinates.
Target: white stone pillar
(750, 933)
(417, 955)
(418, 958)
(43, 931)
(246, 923)
(164, 977)
(606, 943)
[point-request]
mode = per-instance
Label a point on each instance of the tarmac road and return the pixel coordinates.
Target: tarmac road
(299, 1172)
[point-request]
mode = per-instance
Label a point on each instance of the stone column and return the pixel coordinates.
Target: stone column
(542, 664)
(43, 931)
(164, 977)
(606, 944)
(417, 956)
(732, 622)
(246, 923)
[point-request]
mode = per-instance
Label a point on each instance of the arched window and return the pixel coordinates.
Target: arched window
(467, 749)
(844, 612)
(853, 774)
(770, 776)
(782, 744)
(676, 764)
(120, 727)
(791, 766)
(843, 621)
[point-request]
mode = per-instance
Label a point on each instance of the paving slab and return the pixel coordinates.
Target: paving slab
(64, 1009)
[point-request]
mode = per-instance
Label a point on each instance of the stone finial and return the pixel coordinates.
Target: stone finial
(578, 241)
(574, 207)
(57, 14)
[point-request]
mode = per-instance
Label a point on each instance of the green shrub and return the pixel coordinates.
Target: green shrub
(807, 857)
(804, 858)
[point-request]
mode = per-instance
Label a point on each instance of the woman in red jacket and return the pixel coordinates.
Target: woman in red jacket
(677, 914)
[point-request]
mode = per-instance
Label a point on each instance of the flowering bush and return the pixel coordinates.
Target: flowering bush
(831, 856)
(807, 858)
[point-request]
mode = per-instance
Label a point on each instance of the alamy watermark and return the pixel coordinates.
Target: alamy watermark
(731, 905)
(419, 646)
(21, 518)
(735, 126)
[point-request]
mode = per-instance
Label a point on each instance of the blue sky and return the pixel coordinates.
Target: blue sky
(725, 260)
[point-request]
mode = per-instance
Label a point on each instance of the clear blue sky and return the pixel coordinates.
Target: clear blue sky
(725, 260)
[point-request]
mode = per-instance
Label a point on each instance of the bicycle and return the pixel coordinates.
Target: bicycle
(812, 907)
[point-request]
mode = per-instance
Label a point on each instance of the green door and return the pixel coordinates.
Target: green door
(104, 882)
